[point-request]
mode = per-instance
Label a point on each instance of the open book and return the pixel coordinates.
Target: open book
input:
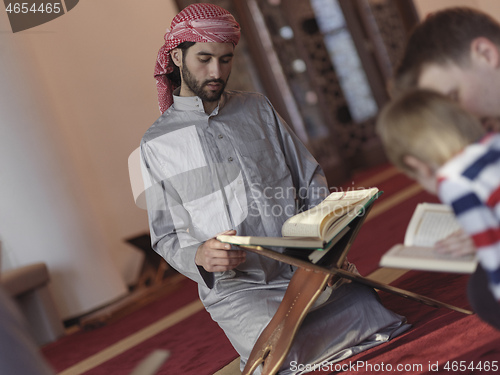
(430, 223)
(316, 227)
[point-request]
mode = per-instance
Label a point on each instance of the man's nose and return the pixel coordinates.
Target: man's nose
(215, 70)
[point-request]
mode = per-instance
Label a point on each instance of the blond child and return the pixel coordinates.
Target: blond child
(436, 142)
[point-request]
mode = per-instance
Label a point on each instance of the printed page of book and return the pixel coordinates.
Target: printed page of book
(329, 228)
(430, 223)
(310, 223)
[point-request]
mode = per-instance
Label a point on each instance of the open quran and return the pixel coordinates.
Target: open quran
(430, 223)
(318, 227)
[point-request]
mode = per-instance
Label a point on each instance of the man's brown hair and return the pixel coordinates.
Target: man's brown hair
(443, 37)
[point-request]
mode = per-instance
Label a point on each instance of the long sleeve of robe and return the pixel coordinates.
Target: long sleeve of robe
(241, 167)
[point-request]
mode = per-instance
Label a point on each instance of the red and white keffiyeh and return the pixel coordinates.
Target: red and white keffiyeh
(196, 23)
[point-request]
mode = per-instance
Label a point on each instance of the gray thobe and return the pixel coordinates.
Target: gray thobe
(241, 167)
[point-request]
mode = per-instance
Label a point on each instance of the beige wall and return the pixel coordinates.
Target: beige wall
(77, 95)
(425, 7)
(97, 63)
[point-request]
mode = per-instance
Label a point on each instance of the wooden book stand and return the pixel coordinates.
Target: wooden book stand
(305, 286)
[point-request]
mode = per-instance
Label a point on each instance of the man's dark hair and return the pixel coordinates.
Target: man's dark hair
(443, 37)
(175, 76)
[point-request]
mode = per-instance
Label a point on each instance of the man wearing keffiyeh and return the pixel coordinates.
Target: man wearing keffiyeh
(200, 23)
(224, 161)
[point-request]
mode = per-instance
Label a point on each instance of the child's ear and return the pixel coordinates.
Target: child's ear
(419, 166)
(176, 56)
(484, 50)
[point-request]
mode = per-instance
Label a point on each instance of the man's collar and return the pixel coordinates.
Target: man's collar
(188, 103)
(194, 103)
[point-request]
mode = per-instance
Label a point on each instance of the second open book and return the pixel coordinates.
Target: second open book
(317, 227)
(430, 223)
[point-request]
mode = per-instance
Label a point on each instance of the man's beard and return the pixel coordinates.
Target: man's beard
(198, 88)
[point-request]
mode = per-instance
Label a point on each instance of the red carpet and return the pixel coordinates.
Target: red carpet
(199, 347)
(440, 338)
(197, 344)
